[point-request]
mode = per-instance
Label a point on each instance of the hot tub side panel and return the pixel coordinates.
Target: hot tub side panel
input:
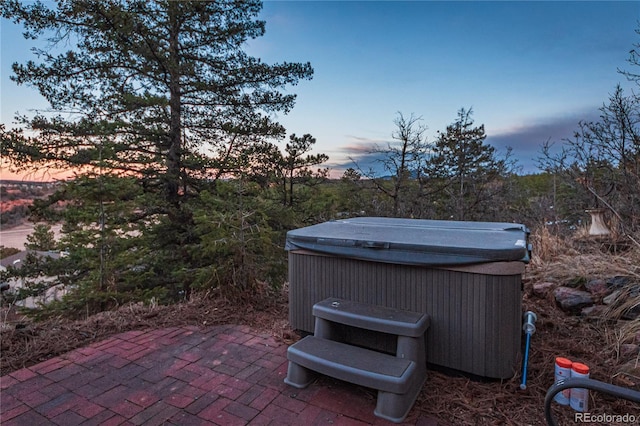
(475, 318)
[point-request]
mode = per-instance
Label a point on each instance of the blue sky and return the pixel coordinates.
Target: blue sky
(530, 70)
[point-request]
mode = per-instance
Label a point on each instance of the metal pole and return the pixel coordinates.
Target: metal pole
(529, 328)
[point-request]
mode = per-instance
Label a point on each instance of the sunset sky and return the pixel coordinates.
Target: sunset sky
(530, 70)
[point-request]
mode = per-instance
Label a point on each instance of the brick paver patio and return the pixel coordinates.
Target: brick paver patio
(222, 375)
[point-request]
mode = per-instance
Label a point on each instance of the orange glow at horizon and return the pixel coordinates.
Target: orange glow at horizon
(39, 174)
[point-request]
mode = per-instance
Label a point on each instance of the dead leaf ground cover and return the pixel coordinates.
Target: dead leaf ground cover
(456, 399)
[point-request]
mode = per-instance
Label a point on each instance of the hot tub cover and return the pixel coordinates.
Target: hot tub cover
(415, 241)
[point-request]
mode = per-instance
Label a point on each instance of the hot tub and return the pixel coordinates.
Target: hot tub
(466, 275)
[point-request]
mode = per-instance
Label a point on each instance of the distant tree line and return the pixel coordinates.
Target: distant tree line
(457, 177)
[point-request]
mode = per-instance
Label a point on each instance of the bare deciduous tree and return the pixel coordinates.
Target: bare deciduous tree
(399, 162)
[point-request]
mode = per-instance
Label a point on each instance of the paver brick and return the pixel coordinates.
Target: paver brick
(209, 383)
(58, 405)
(127, 372)
(153, 374)
(256, 376)
(340, 420)
(36, 383)
(50, 365)
(223, 375)
(247, 372)
(241, 338)
(191, 391)
(23, 374)
(211, 412)
(261, 420)
(227, 391)
(179, 400)
(309, 414)
(164, 387)
(289, 403)
(262, 343)
(91, 391)
(126, 409)
(106, 343)
(142, 397)
(228, 369)
(264, 399)
(119, 362)
(280, 416)
(238, 383)
(227, 419)
(192, 355)
(202, 403)
(9, 402)
(274, 380)
(102, 418)
(115, 420)
(88, 409)
(35, 398)
(163, 416)
(12, 412)
(52, 389)
(271, 361)
(30, 417)
(7, 381)
(68, 418)
(113, 397)
(65, 372)
(97, 359)
(184, 418)
(198, 368)
(79, 379)
(145, 415)
(240, 410)
(250, 394)
(184, 375)
(135, 356)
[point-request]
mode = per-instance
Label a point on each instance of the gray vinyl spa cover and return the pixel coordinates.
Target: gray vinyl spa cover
(414, 241)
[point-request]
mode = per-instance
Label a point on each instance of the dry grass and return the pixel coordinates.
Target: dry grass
(457, 400)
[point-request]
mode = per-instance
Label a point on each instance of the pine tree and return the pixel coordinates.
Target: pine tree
(42, 238)
(145, 91)
(466, 169)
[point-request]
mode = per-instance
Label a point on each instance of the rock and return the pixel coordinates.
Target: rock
(626, 302)
(618, 281)
(572, 300)
(612, 297)
(597, 286)
(632, 313)
(542, 289)
(593, 311)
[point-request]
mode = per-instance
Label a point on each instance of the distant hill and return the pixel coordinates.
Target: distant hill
(16, 196)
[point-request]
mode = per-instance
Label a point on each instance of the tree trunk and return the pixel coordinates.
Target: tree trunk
(174, 154)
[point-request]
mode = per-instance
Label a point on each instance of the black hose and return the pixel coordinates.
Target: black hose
(617, 391)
